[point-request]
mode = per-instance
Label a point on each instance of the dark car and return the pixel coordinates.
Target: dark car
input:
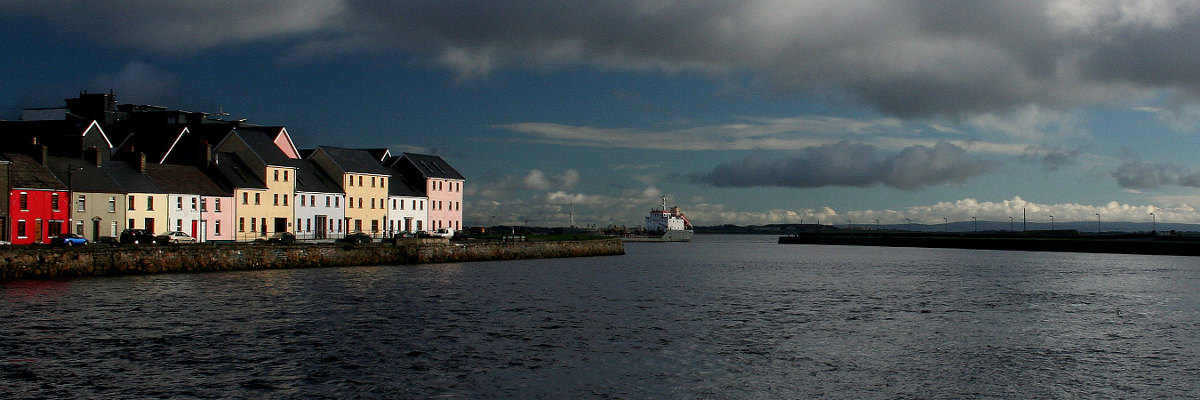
(68, 239)
(282, 238)
(356, 237)
(137, 236)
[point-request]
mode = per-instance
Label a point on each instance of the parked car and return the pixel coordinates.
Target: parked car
(282, 238)
(109, 240)
(68, 239)
(443, 232)
(356, 237)
(137, 236)
(174, 237)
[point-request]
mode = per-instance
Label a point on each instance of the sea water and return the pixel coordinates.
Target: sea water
(720, 317)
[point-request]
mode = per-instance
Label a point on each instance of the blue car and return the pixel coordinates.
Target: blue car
(69, 239)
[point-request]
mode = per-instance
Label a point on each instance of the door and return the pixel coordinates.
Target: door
(194, 222)
(95, 229)
(37, 231)
(320, 220)
(281, 224)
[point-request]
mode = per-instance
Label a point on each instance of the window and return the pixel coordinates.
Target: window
(308, 225)
(253, 226)
(301, 200)
(179, 203)
(360, 181)
(245, 198)
(285, 199)
(112, 229)
(79, 228)
(298, 222)
(194, 201)
(149, 203)
(150, 224)
(285, 174)
(203, 205)
(179, 224)
(130, 203)
(401, 204)
(372, 181)
(112, 204)
(81, 205)
(276, 175)
(217, 204)
(339, 225)
(374, 225)
(418, 225)
(350, 203)
(129, 223)
(241, 224)
(360, 202)
(276, 198)
(54, 201)
(257, 198)
(337, 202)
(372, 203)
(312, 200)
(217, 228)
(326, 201)
(21, 227)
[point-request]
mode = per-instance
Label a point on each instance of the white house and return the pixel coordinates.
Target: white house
(320, 204)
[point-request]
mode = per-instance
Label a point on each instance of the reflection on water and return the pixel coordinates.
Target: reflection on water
(721, 317)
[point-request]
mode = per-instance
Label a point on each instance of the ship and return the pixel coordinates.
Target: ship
(663, 225)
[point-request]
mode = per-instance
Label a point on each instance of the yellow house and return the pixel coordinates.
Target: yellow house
(365, 182)
(263, 177)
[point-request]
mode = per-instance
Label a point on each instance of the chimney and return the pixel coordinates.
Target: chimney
(94, 154)
(142, 162)
(43, 154)
(208, 156)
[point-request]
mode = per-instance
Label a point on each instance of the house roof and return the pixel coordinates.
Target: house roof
(132, 180)
(354, 160)
(262, 143)
(311, 178)
(235, 171)
(184, 179)
(27, 173)
(430, 166)
(65, 138)
(86, 176)
(402, 185)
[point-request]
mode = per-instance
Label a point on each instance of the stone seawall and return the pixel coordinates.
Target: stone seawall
(39, 262)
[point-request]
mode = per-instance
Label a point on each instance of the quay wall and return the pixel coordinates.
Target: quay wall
(1079, 245)
(41, 262)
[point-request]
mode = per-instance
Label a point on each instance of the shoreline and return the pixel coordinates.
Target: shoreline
(1115, 244)
(47, 262)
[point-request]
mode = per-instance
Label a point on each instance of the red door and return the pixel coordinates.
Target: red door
(194, 228)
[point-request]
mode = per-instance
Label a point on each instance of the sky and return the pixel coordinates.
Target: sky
(743, 112)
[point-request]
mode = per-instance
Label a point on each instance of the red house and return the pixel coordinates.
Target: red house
(38, 203)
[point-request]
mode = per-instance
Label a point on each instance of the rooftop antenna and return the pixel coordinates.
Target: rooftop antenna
(219, 114)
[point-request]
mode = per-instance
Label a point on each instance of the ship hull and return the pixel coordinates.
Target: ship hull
(668, 236)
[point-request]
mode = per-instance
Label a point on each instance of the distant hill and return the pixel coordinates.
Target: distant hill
(967, 226)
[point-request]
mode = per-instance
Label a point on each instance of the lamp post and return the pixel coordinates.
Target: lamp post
(909, 224)
(1097, 223)
(1051, 222)
(945, 225)
(877, 224)
(976, 222)
(1010, 224)
(1153, 223)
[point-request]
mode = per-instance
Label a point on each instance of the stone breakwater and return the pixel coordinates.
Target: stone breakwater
(41, 262)
(1116, 245)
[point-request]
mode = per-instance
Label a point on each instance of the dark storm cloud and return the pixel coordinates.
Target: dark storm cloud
(1139, 175)
(905, 58)
(1051, 157)
(850, 164)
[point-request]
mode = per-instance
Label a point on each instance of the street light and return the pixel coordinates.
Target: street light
(1010, 224)
(1051, 222)
(909, 224)
(1153, 223)
(945, 225)
(1097, 223)
(976, 222)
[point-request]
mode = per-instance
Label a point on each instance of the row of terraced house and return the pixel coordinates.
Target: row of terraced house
(96, 168)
